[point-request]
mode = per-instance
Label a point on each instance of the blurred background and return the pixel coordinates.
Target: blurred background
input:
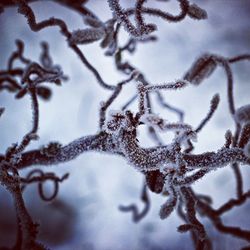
(85, 214)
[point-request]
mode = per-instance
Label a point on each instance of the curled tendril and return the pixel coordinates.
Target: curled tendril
(138, 216)
(168, 169)
(38, 176)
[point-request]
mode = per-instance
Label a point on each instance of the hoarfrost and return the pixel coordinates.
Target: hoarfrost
(86, 36)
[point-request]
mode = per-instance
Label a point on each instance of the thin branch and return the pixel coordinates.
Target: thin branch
(213, 106)
(29, 14)
(136, 215)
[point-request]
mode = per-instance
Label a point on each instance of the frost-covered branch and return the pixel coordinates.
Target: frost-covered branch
(168, 169)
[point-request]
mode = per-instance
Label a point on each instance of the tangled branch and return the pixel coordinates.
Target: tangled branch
(168, 169)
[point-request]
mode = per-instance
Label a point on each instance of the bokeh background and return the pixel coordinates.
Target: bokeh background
(85, 214)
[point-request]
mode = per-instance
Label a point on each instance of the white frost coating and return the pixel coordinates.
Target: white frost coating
(85, 36)
(115, 121)
(52, 74)
(164, 168)
(162, 158)
(177, 84)
(168, 207)
(76, 148)
(242, 114)
(153, 120)
(184, 132)
(16, 158)
(212, 160)
(119, 126)
(146, 159)
(112, 113)
(184, 136)
(140, 31)
(161, 124)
